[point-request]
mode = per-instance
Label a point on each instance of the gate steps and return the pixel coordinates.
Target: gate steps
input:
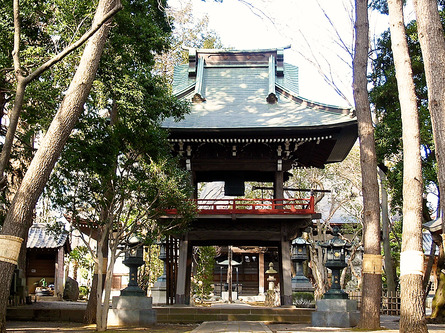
(188, 314)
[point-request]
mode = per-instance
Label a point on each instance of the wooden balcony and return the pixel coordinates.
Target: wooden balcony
(253, 206)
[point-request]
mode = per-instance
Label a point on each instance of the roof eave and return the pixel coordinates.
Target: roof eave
(231, 130)
(313, 104)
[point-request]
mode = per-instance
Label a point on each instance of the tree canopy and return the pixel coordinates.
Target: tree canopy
(388, 128)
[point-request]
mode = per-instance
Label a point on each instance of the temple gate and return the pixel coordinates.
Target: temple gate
(248, 123)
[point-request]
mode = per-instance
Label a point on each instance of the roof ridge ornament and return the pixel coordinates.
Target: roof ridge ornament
(280, 62)
(198, 96)
(192, 62)
(272, 96)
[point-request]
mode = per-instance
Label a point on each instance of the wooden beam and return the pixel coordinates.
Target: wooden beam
(291, 189)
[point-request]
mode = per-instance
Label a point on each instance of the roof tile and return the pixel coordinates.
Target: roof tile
(40, 237)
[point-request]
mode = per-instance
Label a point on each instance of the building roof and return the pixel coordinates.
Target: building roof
(427, 241)
(434, 225)
(248, 89)
(247, 101)
(40, 237)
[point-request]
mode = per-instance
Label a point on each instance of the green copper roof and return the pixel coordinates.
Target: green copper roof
(181, 81)
(233, 95)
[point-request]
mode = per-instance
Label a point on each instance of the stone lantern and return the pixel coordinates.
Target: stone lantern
(159, 289)
(335, 309)
(162, 256)
(336, 250)
(298, 256)
(132, 307)
(271, 279)
(134, 257)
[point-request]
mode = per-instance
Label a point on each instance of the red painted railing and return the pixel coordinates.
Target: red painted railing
(253, 206)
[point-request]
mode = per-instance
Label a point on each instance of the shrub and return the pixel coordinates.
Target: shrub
(303, 299)
(83, 292)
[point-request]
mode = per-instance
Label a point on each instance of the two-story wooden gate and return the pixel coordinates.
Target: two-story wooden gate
(248, 123)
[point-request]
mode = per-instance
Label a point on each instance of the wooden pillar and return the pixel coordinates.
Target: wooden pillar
(184, 272)
(279, 188)
(285, 270)
(188, 274)
(58, 280)
(229, 273)
(261, 273)
(194, 185)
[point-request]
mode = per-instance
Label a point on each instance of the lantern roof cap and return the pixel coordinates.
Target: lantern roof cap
(300, 240)
(271, 270)
(336, 241)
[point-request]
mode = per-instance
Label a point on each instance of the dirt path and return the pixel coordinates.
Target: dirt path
(48, 327)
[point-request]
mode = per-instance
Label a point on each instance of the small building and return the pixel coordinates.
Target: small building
(45, 259)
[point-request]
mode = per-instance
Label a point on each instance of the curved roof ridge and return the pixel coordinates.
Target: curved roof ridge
(229, 50)
(342, 109)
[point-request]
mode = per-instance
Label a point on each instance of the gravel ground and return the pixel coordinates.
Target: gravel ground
(390, 323)
(48, 327)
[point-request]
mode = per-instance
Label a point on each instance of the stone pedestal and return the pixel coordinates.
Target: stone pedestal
(336, 313)
(301, 283)
(131, 311)
(225, 296)
(159, 293)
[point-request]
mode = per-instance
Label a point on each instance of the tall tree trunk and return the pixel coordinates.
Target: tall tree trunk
(20, 212)
(372, 276)
(90, 312)
(107, 291)
(389, 264)
(432, 43)
(90, 316)
(3, 101)
(438, 311)
(75, 269)
(318, 272)
(102, 242)
(412, 318)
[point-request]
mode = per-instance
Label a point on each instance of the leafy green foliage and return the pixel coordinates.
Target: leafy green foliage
(152, 269)
(379, 5)
(388, 130)
(122, 166)
(82, 258)
(84, 292)
(202, 280)
(46, 28)
(140, 31)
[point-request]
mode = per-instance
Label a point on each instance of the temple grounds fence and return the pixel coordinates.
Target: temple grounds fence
(389, 305)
